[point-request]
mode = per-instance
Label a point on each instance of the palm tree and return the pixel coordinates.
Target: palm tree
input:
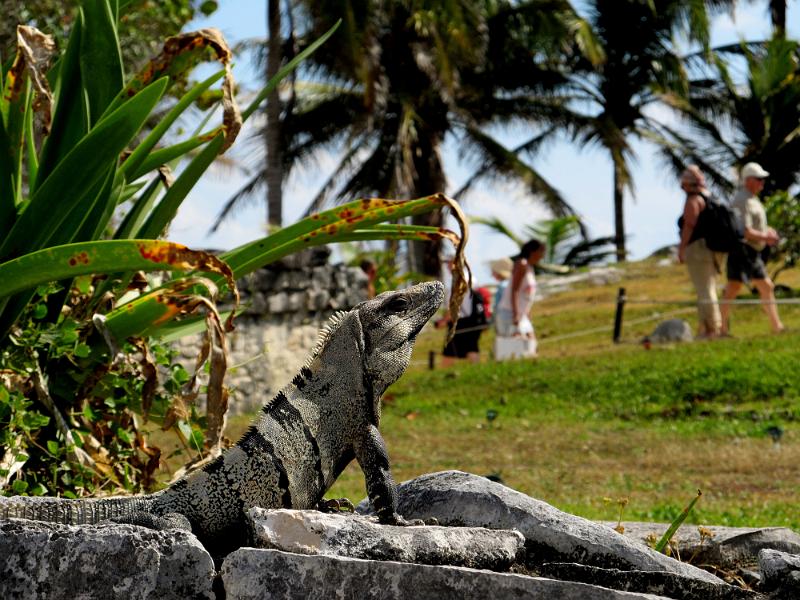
(399, 77)
(567, 242)
(733, 123)
(640, 61)
(777, 15)
(272, 131)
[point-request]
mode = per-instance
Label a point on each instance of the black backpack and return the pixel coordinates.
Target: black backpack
(719, 225)
(481, 312)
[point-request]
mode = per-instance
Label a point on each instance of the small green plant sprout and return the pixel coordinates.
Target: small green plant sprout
(651, 540)
(705, 535)
(665, 539)
(621, 503)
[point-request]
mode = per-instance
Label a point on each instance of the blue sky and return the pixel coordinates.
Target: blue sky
(583, 175)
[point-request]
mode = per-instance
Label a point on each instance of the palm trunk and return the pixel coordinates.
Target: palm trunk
(430, 179)
(777, 13)
(274, 174)
(619, 220)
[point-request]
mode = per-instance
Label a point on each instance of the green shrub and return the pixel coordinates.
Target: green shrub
(79, 325)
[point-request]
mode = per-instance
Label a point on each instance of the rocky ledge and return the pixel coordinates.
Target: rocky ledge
(491, 540)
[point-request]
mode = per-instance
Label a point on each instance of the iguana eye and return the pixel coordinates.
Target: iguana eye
(397, 304)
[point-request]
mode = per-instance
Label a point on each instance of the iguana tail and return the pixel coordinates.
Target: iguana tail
(71, 512)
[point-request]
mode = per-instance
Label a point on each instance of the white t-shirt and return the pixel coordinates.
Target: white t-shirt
(751, 212)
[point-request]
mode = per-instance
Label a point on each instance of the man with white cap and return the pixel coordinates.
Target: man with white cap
(746, 264)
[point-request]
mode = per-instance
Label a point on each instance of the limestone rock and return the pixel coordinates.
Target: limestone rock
(457, 498)
(671, 330)
(727, 547)
(278, 303)
(781, 571)
(53, 561)
(671, 585)
(310, 257)
(313, 532)
(250, 574)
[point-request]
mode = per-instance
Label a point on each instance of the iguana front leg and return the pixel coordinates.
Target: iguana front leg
(370, 451)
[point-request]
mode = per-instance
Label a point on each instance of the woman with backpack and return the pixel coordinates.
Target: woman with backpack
(471, 320)
(703, 264)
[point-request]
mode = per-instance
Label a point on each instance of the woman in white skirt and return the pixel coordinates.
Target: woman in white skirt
(512, 318)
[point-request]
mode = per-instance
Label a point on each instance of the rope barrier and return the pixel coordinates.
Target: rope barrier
(744, 301)
(620, 302)
(606, 329)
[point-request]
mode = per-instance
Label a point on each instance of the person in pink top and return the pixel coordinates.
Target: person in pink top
(513, 312)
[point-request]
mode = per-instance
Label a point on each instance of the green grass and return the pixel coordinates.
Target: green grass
(590, 422)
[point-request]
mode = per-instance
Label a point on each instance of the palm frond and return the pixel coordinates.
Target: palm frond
(505, 163)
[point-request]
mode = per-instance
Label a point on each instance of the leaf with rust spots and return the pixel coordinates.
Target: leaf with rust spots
(34, 51)
(177, 255)
(181, 53)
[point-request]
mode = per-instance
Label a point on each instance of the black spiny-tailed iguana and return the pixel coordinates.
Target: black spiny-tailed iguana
(298, 445)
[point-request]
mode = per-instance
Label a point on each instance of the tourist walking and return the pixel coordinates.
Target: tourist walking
(703, 264)
(745, 264)
(513, 312)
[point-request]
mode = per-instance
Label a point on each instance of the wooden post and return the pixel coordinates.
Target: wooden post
(618, 314)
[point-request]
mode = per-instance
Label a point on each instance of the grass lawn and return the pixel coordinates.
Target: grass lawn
(589, 422)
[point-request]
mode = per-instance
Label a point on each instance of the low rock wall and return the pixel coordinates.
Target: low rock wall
(491, 541)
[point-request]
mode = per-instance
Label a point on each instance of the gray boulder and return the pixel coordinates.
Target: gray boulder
(457, 498)
(313, 532)
(671, 585)
(53, 561)
(780, 571)
(726, 547)
(250, 574)
(671, 331)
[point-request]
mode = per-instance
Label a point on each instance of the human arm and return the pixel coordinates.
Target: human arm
(769, 237)
(517, 277)
(691, 213)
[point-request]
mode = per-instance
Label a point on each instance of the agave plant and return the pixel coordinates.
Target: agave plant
(75, 318)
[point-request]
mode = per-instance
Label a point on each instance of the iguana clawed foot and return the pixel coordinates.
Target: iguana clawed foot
(335, 505)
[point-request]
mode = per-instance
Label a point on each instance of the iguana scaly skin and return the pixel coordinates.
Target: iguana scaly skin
(298, 445)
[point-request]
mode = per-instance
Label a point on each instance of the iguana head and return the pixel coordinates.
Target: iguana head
(390, 323)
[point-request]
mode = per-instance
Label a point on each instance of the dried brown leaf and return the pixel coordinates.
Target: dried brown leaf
(217, 395)
(462, 274)
(183, 51)
(212, 350)
(34, 51)
(178, 255)
(166, 175)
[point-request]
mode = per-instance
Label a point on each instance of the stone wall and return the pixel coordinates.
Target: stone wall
(283, 308)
